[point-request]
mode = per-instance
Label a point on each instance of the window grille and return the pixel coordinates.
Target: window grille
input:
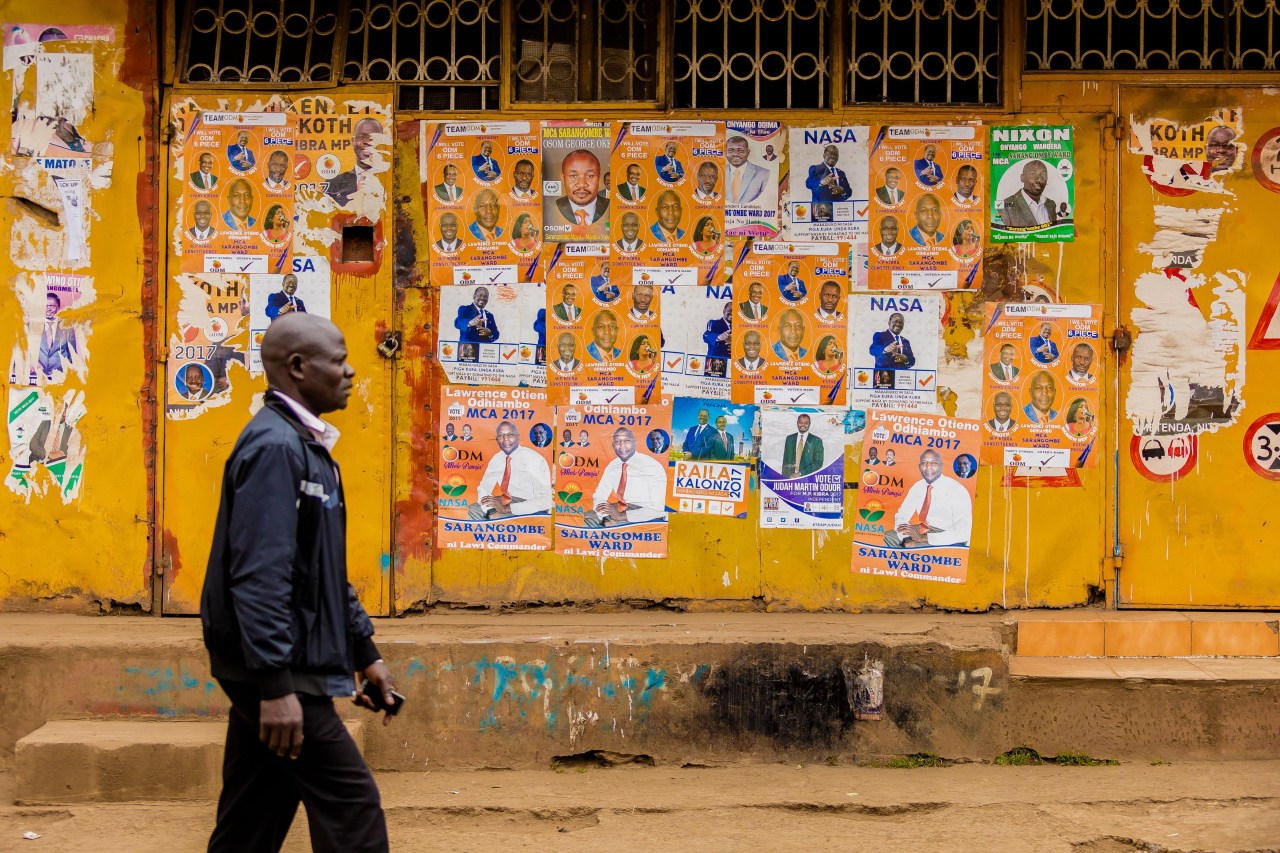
(257, 42)
(916, 52)
(1168, 35)
(751, 54)
(445, 53)
(586, 50)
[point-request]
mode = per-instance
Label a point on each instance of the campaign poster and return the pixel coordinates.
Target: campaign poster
(484, 332)
(238, 198)
(43, 433)
(343, 167)
(714, 444)
(53, 347)
(828, 184)
(1040, 388)
(894, 351)
(484, 202)
(697, 339)
(1181, 159)
(928, 208)
(669, 177)
(209, 340)
(575, 181)
(52, 75)
(1033, 185)
(755, 154)
(915, 496)
(611, 351)
(802, 467)
(305, 289)
(611, 487)
(495, 469)
(790, 326)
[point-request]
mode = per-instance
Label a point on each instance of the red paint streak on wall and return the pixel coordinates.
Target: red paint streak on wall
(140, 70)
(363, 268)
(171, 551)
(415, 516)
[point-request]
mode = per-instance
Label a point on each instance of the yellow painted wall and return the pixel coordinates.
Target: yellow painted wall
(93, 550)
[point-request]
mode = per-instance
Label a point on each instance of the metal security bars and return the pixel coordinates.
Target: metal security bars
(568, 51)
(445, 53)
(916, 52)
(257, 43)
(751, 53)
(1174, 35)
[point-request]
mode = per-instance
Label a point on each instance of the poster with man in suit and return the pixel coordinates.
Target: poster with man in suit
(690, 364)
(487, 332)
(802, 467)
(924, 210)
(1033, 185)
(751, 179)
(489, 209)
(237, 208)
(894, 351)
(714, 443)
(575, 197)
(682, 212)
(795, 337)
(828, 185)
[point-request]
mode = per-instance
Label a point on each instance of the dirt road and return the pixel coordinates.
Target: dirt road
(1229, 806)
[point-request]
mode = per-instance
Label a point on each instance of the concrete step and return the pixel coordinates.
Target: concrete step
(110, 761)
(1147, 634)
(1264, 670)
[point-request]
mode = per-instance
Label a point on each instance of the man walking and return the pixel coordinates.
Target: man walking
(284, 629)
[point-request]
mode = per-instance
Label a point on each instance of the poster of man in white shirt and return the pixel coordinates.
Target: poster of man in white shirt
(916, 519)
(611, 493)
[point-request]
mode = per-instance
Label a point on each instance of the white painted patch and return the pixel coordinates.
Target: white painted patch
(64, 85)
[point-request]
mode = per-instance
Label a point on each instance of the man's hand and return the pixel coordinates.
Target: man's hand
(280, 725)
(380, 677)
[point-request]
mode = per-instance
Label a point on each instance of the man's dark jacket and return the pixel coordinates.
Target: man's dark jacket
(276, 600)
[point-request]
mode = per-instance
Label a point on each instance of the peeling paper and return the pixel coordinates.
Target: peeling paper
(43, 436)
(64, 85)
(1190, 158)
(52, 347)
(1188, 358)
(209, 341)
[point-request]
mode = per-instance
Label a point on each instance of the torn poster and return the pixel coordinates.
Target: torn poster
(1180, 159)
(209, 340)
(43, 434)
(697, 330)
(1187, 363)
(53, 347)
(484, 332)
(303, 290)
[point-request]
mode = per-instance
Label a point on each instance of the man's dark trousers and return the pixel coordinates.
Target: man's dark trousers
(261, 791)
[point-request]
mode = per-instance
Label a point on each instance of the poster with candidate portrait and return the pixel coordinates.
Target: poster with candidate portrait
(928, 208)
(714, 444)
(893, 351)
(915, 497)
(484, 334)
(755, 155)
(207, 343)
(790, 324)
(575, 185)
(1041, 378)
(828, 184)
(496, 447)
(238, 199)
(611, 489)
(1033, 185)
(678, 197)
(697, 339)
(53, 347)
(305, 289)
(604, 334)
(483, 197)
(43, 431)
(802, 467)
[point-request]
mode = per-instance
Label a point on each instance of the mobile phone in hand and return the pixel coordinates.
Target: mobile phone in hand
(368, 688)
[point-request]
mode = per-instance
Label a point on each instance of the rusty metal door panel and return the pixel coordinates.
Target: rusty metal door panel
(1195, 273)
(196, 447)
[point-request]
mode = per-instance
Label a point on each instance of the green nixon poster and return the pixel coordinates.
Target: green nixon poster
(1033, 188)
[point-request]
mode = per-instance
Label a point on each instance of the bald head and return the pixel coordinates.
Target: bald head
(305, 357)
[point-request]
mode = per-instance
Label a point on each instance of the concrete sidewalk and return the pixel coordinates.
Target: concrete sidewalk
(1170, 807)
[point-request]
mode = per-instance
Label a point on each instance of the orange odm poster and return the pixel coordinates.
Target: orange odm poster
(1041, 366)
(238, 203)
(484, 201)
(668, 194)
(604, 341)
(611, 485)
(495, 469)
(928, 208)
(790, 324)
